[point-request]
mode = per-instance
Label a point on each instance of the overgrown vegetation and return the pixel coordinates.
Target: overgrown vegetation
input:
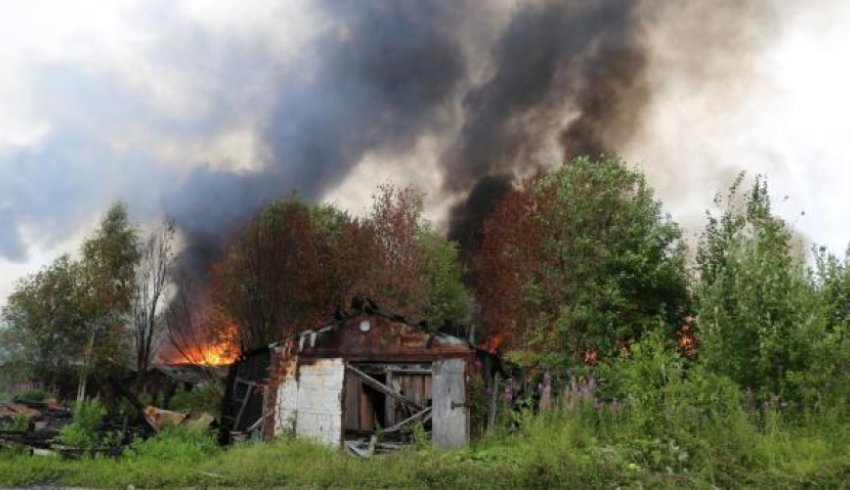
(689, 446)
(204, 398)
(82, 432)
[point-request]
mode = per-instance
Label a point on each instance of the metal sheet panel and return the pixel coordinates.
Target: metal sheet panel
(451, 413)
(320, 400)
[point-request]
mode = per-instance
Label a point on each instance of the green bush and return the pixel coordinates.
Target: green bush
(36, 395)
(17, 423)
(82, 432)
(175, 444)
(204, 398)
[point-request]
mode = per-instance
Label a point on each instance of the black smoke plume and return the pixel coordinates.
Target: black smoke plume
(376, 82)
(571, 68)
(562, 78)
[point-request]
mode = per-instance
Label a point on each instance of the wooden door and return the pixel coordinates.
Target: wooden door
(450, 412)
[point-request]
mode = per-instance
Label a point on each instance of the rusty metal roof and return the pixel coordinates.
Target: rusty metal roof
(375, 336)
(389, 338)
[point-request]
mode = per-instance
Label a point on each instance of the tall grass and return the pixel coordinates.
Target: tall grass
(576, 448)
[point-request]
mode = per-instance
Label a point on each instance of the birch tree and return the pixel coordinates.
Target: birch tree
(146, 322)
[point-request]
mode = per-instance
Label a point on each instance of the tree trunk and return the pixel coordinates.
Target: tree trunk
(84, 374)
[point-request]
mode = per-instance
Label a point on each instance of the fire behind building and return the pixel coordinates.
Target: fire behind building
(366, 375)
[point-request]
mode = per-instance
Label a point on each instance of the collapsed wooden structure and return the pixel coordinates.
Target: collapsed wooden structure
(33, 426)
(362, 381)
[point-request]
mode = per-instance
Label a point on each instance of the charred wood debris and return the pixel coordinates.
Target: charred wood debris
(34, 426)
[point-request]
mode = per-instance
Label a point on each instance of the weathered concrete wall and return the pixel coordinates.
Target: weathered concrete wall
(287, 398)
(319, 400)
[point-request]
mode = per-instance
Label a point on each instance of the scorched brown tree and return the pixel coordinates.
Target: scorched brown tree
(578, 262)
(295, 263)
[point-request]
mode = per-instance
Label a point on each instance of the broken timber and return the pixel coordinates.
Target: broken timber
(387, 390)
(422, 416)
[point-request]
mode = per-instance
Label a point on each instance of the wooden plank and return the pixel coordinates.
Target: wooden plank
(351, 411)
(354, 447)
(409, 389)
(417, 384)
(422, 415)
(494, 397)
(417, 387)
(370, 381)
(372, 442)
(409, 370)
(389, 403)
(366, 411)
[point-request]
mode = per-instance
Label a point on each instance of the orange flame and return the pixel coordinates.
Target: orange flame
(220, 351)
(218, 354)
(493, 343)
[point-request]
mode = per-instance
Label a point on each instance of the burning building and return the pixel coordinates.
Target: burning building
(365, 373)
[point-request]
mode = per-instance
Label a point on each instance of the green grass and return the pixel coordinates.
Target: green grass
(563, 449)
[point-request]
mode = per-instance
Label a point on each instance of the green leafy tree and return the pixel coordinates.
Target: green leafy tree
(70, 317)
(760, 319)
(451, 304)
(832, 280)
(825, 383)
(579, 261)
(42, 338)
(108, 272)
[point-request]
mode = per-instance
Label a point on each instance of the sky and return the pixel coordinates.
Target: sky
(132, 100)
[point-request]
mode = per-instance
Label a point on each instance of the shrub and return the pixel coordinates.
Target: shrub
(18, 423)
(205, 398)
(82, 432)
(175, 444)
(35, 395)
(641, 378)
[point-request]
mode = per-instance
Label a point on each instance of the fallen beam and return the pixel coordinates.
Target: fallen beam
(353, 446)
(423, 415)
(374, 383)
